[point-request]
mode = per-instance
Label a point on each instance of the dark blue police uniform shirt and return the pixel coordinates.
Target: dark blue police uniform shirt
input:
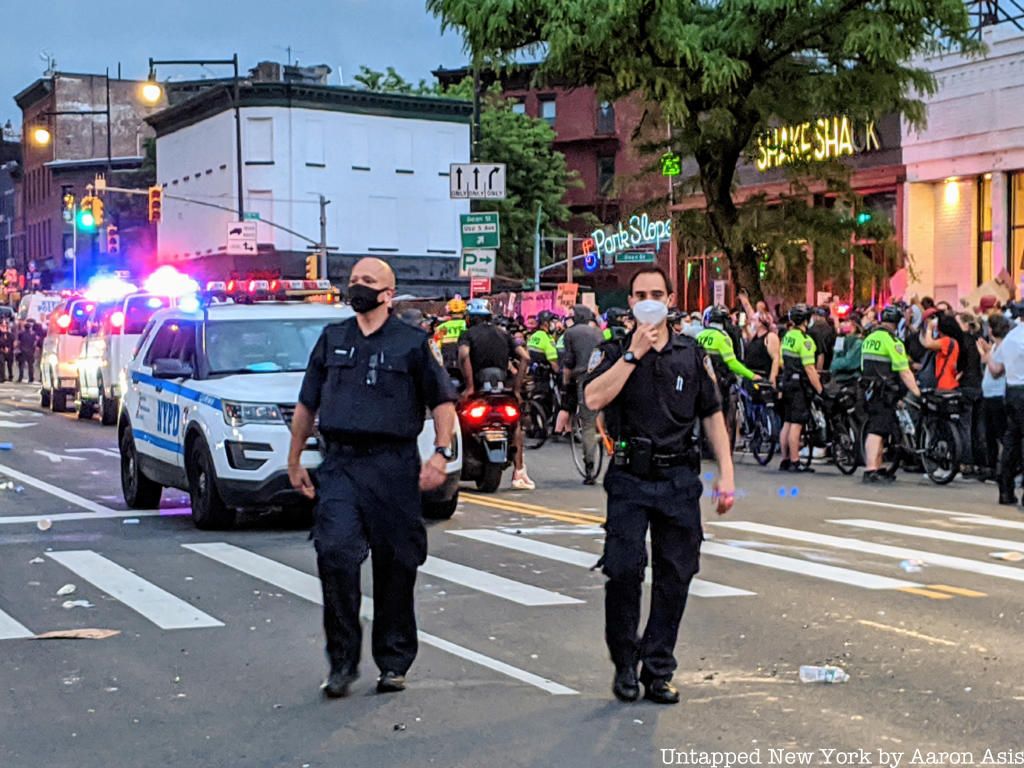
(379, 385)
(664, 396)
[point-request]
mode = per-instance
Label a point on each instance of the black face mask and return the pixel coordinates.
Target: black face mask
(363, 298)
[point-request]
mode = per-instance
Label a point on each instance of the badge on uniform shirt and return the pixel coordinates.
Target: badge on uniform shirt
(808, 344)
(899, 348)
(595, 360)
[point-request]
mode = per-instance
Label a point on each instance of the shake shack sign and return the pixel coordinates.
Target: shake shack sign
(827, 138)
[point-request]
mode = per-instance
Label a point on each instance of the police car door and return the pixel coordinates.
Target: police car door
(158, 421)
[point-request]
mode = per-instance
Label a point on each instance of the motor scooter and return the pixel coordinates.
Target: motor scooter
(488, 421)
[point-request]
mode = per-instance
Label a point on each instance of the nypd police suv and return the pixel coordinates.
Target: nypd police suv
(207, 407)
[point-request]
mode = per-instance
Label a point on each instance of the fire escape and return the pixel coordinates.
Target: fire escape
(991, 13)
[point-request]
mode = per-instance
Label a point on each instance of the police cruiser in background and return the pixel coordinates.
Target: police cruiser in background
(208, 400)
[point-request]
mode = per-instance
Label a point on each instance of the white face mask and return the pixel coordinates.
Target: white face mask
(650, 312)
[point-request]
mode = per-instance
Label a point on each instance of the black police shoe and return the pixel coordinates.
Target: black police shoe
(337, 684)
(785, 465)
(873, 477)
(390, 682)
(626, 686)
(661, 692)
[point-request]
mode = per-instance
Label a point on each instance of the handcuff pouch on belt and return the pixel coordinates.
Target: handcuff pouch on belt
(637, 456)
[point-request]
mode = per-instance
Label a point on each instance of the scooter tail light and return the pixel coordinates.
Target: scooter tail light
(477, 412)
(509, 412)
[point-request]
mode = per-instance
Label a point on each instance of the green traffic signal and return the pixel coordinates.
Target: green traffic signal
(86, 220)
(863, 218)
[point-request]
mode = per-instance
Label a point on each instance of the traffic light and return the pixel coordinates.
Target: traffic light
(86, 217)
(113, 239)
(97, 211)
(156, 203)
(864, 217)
(69, 207)
(311, 266)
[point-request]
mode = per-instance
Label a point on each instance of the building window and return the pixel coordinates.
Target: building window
(259, 140)
(548, 110)
(519, 107)
(606, 117)
(985, 229)
(605, 175)
(1017, 222)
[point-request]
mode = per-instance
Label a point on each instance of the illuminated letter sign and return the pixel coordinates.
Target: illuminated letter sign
(827, 138)
(642, 231)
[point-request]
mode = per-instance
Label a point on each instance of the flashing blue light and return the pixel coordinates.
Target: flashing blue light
(155, 303)
(187, 304)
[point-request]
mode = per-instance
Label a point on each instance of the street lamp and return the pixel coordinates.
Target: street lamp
(41, 136)
(152, 90)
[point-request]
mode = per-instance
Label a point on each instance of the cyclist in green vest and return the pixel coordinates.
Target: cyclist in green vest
(540, 345)
(798, 375)
(719, 348)
(884, 364)
(447, 334)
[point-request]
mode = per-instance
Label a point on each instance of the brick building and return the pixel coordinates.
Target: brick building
(75, 153)
(10, 172)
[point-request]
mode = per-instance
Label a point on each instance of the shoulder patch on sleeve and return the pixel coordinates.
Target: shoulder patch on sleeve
(595, 360)
(899, 348)
(808, 344)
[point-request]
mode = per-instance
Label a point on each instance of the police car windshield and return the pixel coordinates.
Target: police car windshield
(260, 346)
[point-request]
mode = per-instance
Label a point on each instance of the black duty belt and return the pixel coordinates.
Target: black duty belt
(365, 446)
(666, 460)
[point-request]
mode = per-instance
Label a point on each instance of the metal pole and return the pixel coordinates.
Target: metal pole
(568, 258)
(475, 145)
(323, 238)
(536, 251)
(74, 245)
(238, 140)
(673, 266)
(110, 159)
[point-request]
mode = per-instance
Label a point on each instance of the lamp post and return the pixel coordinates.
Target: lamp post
(42, 136)
(152, 91)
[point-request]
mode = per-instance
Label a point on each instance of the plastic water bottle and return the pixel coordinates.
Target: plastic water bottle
(828, 674)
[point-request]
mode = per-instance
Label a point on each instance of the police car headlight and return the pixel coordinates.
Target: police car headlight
(237, 414)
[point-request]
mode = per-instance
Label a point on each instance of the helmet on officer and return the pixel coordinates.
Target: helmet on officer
(456, 307)
(478, 308)
(799, 314)
(616, 317)
(716, 317)
(891, 314)
(544, 317)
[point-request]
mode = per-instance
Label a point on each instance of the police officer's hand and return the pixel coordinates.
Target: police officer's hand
(434, 473)
(299, 478)
(644, 338)
(724, 495)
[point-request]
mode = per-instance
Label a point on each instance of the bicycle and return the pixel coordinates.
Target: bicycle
(928, 432)
(845, 424)
(543, 401)
(759, 420)
(576, 444)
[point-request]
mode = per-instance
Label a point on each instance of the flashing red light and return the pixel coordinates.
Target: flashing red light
(843, 310)
(273, 285)
(231, 286)
(63, 322)
(117, 320)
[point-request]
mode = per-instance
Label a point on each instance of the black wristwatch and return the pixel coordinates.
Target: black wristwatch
(446, 451)
(630, 358)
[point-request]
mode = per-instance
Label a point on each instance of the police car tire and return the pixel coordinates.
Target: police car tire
(138, 490)
(108, 408)
(209, 512)
(86, 409)
(440, 510)
(59, 401)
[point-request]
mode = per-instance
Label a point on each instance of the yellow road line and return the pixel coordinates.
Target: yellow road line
(907, 632)
(957, 590)
(926, 593)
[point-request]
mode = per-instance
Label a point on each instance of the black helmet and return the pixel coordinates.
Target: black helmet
(716, 315)
(799, 314)
(891, 314)
(1016, 309)
(616, 317)
(544, 316)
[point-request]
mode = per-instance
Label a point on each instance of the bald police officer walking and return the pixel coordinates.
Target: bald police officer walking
(652, 386)
(371, 378)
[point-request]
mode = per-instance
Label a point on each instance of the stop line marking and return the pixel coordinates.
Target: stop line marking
(12, 630)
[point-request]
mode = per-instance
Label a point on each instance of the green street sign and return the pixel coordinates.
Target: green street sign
(252, 216)
(634, 257)
(480, 231)
(671, 164)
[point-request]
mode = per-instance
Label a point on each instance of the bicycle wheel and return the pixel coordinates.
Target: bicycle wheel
(763, 438)
(576, 446)
(535, 425)
(941, 456)
(844, 446)
(806, 454)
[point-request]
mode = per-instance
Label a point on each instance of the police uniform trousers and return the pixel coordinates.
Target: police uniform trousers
(1010, 462)
(369, 502)
(670, 506)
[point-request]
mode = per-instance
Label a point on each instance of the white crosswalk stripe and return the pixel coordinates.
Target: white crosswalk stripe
(508, 589)
(160, 607)
(12, 630)
(698, 587)
(885, 550)
(806, 567)
(928, 533)
(307, 586)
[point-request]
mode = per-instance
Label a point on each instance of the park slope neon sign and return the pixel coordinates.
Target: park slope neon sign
(642, 230)
(827, 138)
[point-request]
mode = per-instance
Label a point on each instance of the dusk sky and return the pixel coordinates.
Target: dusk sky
(87, 37)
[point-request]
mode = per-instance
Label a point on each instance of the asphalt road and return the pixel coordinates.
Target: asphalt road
(218, 657)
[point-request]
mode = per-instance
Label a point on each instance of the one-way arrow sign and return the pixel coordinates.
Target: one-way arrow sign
(477, 181)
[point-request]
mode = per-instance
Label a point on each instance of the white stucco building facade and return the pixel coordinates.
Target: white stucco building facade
(963, 220)
(381, 160)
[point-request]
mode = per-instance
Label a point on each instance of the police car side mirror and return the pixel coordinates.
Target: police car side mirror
(171, 368)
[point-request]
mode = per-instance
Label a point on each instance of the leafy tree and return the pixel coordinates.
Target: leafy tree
(722, 71)
(535, 175)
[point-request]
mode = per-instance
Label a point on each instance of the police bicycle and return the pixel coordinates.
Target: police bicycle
(845, 421)
(543, 402)
(760, 423)
(929, 433)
